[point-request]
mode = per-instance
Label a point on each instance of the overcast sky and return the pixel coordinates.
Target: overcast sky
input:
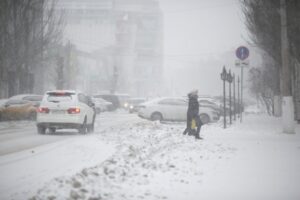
(202, 26)
(201, 30)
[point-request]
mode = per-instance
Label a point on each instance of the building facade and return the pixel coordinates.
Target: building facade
(124, 37)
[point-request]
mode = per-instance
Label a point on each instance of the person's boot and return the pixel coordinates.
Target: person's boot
(197, 137)
(192, 132)
(185, 132)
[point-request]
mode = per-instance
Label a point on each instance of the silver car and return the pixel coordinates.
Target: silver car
(174, 109)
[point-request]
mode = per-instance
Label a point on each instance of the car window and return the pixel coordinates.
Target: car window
(123, 98)
(33, 98)
(173, 102)
(15, 102)
(136, 101)
(178, 102)
(56, 97)
(110, 98)
(82, 98)
(89, 100)
(164, 101)
(205, 101)
(101, 100)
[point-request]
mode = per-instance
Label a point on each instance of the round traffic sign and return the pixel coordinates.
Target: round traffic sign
(242, 52)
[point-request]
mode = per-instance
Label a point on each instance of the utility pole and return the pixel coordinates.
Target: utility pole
(234, 103)
(287, 98)
(229, 79)
(239, 103)
(242, 105)
(223, 77)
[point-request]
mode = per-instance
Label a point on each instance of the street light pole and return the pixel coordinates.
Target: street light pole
(239, 103)
(242, 106)
(234, 104)
(223, 77)
(229, 79)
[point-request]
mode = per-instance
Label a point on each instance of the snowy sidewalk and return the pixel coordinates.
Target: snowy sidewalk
(253, 160)
(266, 165)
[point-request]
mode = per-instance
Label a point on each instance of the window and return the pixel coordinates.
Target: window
(59, 98)
(33, 98)
(178, 102)
(82, 98)
(15, 102)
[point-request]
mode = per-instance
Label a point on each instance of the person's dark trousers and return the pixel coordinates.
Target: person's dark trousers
(188, 125)
(199, 124)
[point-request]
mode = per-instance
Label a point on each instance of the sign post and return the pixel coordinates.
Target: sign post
(224, 77)
(229, 79)
(234, 103)
(242, 53)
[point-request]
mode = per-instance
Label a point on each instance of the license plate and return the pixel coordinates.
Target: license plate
(58, 111)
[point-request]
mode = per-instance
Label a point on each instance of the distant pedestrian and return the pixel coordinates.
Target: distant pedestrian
(193, 114)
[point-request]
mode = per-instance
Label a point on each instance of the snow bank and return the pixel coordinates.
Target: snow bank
(23, 173)
(151, 159)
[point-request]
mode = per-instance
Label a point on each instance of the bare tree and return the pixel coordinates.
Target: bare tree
(263, 23)
(30, 27)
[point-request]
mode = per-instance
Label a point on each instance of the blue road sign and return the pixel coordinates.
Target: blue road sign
(242, 52)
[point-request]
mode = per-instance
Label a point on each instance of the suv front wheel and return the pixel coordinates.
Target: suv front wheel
(90, 128)
(41, 129)
(83, 128)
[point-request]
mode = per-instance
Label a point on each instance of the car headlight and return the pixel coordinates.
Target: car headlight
(131, 107)
(125, 105)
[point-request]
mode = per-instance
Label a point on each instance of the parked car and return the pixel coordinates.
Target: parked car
(20, 107)
(211, 104)
(15, 109)
(133, 104)
(101, 105)
(33, 98)
(66, 109)
(234, 109)
(2, 102)
(174, 109)
(117, 100)
(123, 99)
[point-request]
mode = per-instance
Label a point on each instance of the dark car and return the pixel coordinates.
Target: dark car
(133, 104)
(117, 100)
(110, 98)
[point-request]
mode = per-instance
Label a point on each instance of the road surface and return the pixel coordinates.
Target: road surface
(17, 136)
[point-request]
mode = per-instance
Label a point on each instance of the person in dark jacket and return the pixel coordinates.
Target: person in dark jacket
(193, 113)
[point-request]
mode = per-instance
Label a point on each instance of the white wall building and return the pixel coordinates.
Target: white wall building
(124, 37)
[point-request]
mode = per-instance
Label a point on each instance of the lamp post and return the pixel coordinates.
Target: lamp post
(223, 77)
(234, 103)
(239, 101)
(229, 79)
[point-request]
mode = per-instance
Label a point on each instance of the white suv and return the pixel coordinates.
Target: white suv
(65, 109)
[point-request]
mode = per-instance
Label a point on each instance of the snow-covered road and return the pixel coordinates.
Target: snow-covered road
(16, 136)
(28, 160)
(132, 158)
